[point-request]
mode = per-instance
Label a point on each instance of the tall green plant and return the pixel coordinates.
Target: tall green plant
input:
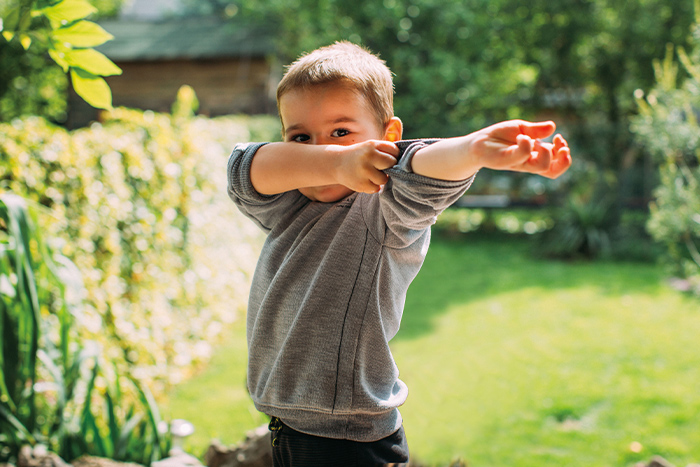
(668, 127)
(19, 324)
(48, 378)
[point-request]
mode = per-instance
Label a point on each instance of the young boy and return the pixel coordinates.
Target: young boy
(348, 208)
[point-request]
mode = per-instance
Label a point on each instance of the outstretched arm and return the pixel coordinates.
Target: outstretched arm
(280, 167)
(513, 145)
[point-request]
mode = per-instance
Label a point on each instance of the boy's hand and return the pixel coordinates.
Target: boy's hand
(515, 145)
(360, 165)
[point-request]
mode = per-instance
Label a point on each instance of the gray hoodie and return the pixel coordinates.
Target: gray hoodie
(328, 294)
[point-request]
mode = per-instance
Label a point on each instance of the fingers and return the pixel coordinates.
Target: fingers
(509, 130)
(560, 163)
(367, 162)
(521, 150)
(377, 177)
(525, 145)
(559, 143)
(381, 160)
(387, 147)
(541, 157)
(536, 130)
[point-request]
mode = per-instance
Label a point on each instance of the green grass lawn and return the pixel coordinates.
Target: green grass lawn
(512, 361)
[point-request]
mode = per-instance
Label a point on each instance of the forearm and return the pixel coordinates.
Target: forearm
(281, 167)
(447, 159)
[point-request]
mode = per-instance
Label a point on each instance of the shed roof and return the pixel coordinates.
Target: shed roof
(184, 38)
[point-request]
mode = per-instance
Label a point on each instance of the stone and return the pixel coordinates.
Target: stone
(39, 456)
(254, 451)
(177, 458)
(93, 461)
(658, 461)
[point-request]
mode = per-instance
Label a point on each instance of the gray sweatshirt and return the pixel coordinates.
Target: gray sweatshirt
(328, 294)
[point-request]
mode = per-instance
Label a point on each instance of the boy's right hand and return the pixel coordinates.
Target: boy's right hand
(360, 166)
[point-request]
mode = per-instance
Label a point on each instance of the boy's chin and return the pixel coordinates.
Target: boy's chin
(326, 194)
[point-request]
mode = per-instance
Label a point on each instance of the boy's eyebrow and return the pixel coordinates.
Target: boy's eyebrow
(333, 122)
(343, 120)
(293, 127)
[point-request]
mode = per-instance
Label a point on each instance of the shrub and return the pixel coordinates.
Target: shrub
(139, 205)
(52, 384)
(668, 128)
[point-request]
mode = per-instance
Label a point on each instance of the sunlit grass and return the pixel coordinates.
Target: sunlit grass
(519, 362)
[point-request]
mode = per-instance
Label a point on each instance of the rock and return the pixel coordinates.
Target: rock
(92, 461)
(658, 461)
(39, 456)
(177, 458)
(254, 451)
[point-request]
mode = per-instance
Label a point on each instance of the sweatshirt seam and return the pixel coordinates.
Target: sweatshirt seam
(362, 325)
(345, 320)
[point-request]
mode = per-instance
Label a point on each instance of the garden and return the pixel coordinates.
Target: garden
(557, 329)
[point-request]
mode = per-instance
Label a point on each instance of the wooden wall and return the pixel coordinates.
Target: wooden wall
(223, 87)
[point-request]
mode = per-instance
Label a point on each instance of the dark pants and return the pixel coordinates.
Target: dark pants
(291, 448)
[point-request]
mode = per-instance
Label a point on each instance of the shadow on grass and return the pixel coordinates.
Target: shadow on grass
(476, 266)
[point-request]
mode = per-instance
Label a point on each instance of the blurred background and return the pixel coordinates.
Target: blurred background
(116, 118)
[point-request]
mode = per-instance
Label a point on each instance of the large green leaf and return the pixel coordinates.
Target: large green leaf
(10, 21)
(93, 89)
(92, 61)
(153, 413)
(82, 34)
(60, 59)
(67, 11)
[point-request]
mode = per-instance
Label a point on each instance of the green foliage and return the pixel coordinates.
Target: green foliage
(668, 127)
(49, 390)
(140, 208)
(28, 86)
(582, 229)
(34, 28)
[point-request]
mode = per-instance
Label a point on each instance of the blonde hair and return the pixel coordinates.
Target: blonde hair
(345, 63)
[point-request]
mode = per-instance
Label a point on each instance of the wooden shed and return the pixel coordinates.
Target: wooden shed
(228, 64)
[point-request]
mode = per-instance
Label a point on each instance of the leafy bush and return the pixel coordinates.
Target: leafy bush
(668, 127)
(52, 384)
(139, 205)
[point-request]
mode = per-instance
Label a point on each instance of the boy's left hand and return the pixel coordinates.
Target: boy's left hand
(515, 145)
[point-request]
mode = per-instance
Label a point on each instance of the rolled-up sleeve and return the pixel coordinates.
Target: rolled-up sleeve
(409, 202)
(264, 210)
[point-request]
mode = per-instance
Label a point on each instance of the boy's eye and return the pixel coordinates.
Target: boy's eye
(300, 138)
(340, 132)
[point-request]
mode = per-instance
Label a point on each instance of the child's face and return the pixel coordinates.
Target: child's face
(328, 114)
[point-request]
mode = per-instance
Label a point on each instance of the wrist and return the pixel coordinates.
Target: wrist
(335, 159)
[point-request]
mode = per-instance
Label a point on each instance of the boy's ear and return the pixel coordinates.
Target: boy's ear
(394, 130)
